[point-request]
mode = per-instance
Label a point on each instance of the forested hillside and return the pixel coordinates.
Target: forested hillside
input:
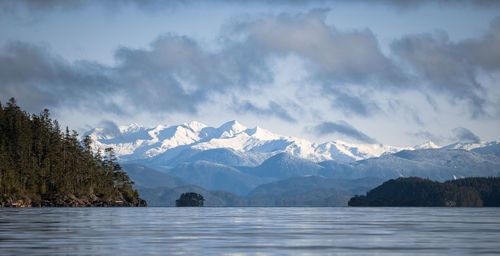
(41, 165)
(415, 191)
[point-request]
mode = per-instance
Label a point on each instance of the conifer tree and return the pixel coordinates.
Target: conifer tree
(39, 163)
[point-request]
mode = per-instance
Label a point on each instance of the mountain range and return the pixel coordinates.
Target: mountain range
(165, 145)
(237, 160)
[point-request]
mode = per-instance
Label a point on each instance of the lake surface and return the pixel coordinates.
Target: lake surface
(215, 231)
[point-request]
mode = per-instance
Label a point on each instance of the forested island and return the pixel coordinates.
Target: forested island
(190, 199)
(474, 192)
(41, 165)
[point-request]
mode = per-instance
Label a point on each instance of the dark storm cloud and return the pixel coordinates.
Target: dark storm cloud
(342, 128)
(465, 135)
(272, 109)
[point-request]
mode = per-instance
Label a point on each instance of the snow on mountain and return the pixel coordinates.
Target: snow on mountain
(426, 145)
(348, 152)
(435, 164)
(490, 148)
(136, 142)
(472, 146)
(284, 165)
(484, 148)
(164, 143)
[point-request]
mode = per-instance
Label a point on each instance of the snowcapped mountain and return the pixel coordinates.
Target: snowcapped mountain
(163, 143)
(484, 148)
(472, 146)
(436, 164)
(426, 145)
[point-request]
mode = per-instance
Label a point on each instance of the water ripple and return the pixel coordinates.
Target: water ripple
(228, 231)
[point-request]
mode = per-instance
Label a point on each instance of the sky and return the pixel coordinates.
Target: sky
(393, 72)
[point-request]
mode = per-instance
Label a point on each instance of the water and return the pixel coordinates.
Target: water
(216, 231)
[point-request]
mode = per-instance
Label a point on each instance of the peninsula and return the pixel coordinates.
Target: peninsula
(40, 165)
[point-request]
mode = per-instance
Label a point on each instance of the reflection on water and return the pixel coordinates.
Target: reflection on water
(201, 231)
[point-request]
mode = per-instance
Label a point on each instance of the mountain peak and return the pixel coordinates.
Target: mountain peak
(133, 127)
(260, 133)
(426, 145)
(231, 128)
(165, 142)
(195, 126)
(465, 145)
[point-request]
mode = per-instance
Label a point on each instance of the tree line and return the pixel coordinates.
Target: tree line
(414, 191)
(41, 165)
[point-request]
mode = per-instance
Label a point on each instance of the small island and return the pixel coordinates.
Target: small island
(471, 192)
(41, 165)
(190, 199)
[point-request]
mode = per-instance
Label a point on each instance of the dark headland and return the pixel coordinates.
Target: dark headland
(41, 165)
(473, 192)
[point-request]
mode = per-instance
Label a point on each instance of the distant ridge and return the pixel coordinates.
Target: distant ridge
(234, 144)
(435, 164)
(165, 143)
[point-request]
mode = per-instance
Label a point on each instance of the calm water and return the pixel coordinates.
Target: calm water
(202, 231)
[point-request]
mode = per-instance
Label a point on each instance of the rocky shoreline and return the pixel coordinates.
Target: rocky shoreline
(71, 202)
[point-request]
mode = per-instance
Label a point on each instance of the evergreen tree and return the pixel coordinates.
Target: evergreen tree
(40, 165)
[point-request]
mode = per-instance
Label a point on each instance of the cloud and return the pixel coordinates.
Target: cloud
(484, 51)
(416, 3)
(109, 128)
(351, 103)
(409, 113)
(50, 5)
(452, 68)
(334, 56)
(176, 74)
(341, 62)
(39, 79)
(65, 5)
(272, 109)
(427, 136)
(342, 128)
(465, 135)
